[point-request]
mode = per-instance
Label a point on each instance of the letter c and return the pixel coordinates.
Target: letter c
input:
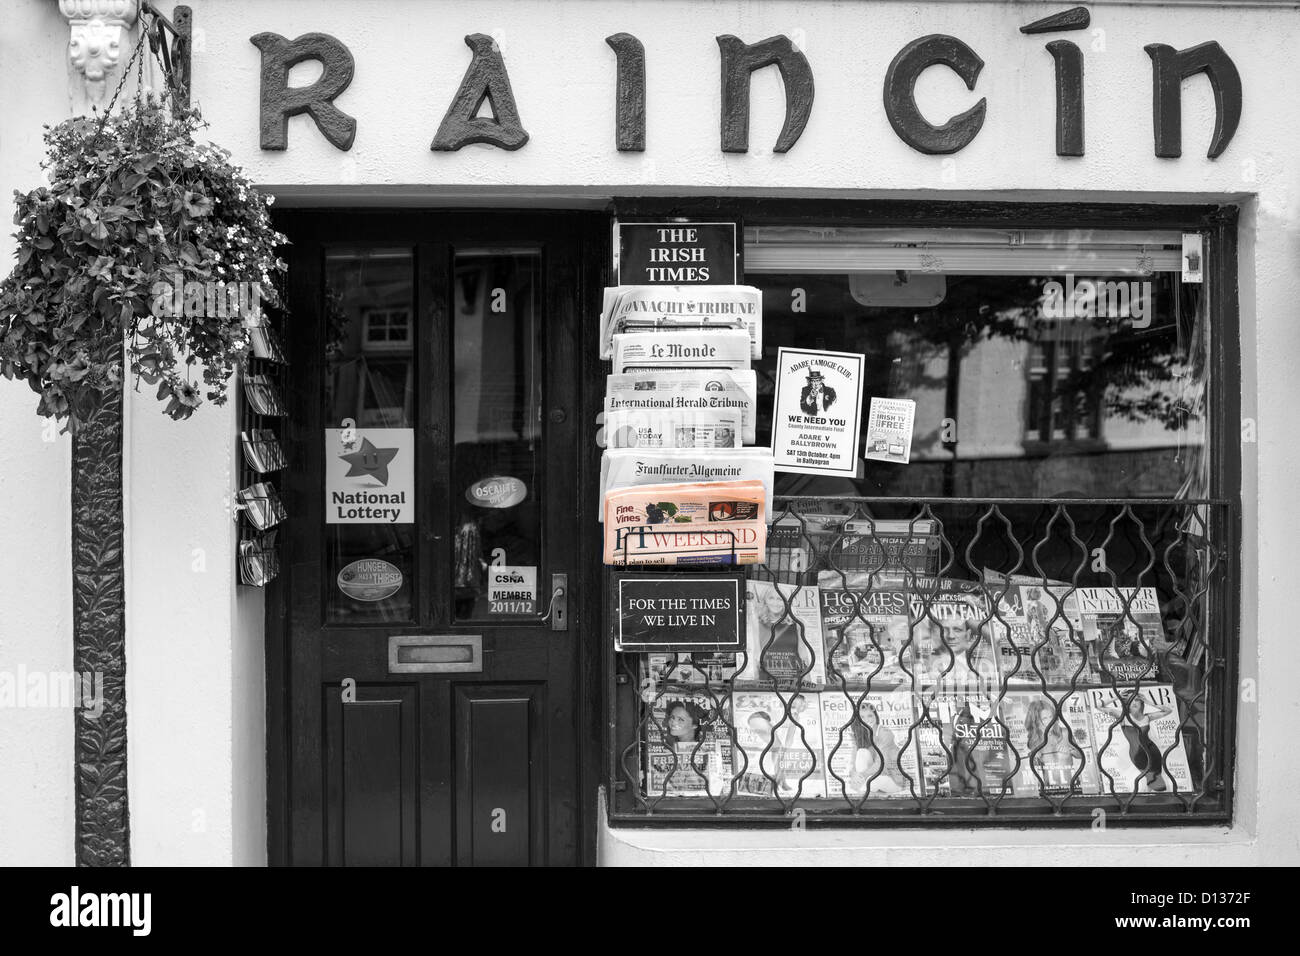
(900, 94)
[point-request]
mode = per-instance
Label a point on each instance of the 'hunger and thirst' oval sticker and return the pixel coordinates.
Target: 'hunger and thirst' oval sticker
(370, 579)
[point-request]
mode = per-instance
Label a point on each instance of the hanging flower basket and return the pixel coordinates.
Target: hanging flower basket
(144, 237)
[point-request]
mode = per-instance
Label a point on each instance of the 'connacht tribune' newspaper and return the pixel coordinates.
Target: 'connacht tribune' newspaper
(629, 467)
(655, 308)
(681, 349)
(717, 522)
(716, 390)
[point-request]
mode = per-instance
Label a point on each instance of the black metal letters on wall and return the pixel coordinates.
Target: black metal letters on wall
(900, 94)
(629, 95)
(1169, 67)
(1069, 97)
(486, 79)
(739, 60)
(280, 101)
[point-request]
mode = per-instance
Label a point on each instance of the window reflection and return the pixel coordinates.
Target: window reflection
(496, 431)
(1017, 396)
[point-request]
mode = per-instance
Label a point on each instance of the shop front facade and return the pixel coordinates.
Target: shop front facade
(1061, 239)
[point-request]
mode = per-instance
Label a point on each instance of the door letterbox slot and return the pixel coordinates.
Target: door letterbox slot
(435, 653)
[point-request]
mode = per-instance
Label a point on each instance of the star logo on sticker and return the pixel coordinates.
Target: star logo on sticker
(369, 460)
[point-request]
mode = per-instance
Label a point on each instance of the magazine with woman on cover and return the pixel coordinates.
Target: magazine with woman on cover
(781, 749)
(872, 750)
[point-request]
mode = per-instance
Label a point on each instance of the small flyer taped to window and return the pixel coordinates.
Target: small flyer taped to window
(512, 589)
(817, 412)
(889, 430)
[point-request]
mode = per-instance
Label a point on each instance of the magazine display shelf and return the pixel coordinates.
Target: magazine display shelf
(1181, 548)
(263, 411)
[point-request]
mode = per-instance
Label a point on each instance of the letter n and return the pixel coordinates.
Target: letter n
(739, 60)
(280, 101)
(1169, 67)
(486, 79)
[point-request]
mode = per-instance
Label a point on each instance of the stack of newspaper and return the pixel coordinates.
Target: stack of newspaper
(680, 409)
(713, 522)
(655, 308)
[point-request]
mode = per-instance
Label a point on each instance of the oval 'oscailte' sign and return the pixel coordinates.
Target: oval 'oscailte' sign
(499, 491)
(370, 579)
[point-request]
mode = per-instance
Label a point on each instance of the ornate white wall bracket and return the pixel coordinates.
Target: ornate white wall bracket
(98, 34)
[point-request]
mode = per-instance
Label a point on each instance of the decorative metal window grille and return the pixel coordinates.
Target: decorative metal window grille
(1037, 702)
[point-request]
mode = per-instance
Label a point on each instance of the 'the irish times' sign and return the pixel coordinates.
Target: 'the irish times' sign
(677, 253)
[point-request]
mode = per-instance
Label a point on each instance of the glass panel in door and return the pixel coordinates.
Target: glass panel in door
(497, 451)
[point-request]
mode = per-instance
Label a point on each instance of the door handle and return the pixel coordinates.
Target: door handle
(558, 611)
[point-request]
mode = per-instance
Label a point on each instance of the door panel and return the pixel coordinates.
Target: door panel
(499, 797)
(371, 772)
(463, 328)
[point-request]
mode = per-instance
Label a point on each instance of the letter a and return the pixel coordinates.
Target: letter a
(486, 79)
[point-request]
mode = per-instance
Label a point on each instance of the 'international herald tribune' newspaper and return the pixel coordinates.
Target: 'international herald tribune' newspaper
(681, 349)
(630, 467)
(656, 308)
(673, 428)
(722, 522)
(715, 390)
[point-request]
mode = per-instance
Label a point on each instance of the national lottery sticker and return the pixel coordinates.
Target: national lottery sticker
(889, 430)
(369, 475)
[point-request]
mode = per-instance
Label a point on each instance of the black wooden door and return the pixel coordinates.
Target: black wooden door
(430, 710)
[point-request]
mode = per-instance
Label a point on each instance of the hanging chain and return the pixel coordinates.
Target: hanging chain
(108, 110)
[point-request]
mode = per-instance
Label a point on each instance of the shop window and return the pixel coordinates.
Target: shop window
(1030, 621)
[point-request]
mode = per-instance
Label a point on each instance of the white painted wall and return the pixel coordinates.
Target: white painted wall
(194, 650)
(195, 694)
(36, 812)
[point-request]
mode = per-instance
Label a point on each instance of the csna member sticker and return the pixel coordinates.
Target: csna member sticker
(370, 579)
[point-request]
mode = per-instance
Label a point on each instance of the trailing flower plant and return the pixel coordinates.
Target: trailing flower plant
(144, 237)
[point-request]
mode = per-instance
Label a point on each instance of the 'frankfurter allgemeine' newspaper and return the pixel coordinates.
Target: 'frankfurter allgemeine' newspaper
(717, 390)
(628, 467)
(681, 349)
(712, 522)
(655, 308)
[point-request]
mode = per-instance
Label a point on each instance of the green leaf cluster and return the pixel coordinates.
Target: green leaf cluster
(134, 209)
